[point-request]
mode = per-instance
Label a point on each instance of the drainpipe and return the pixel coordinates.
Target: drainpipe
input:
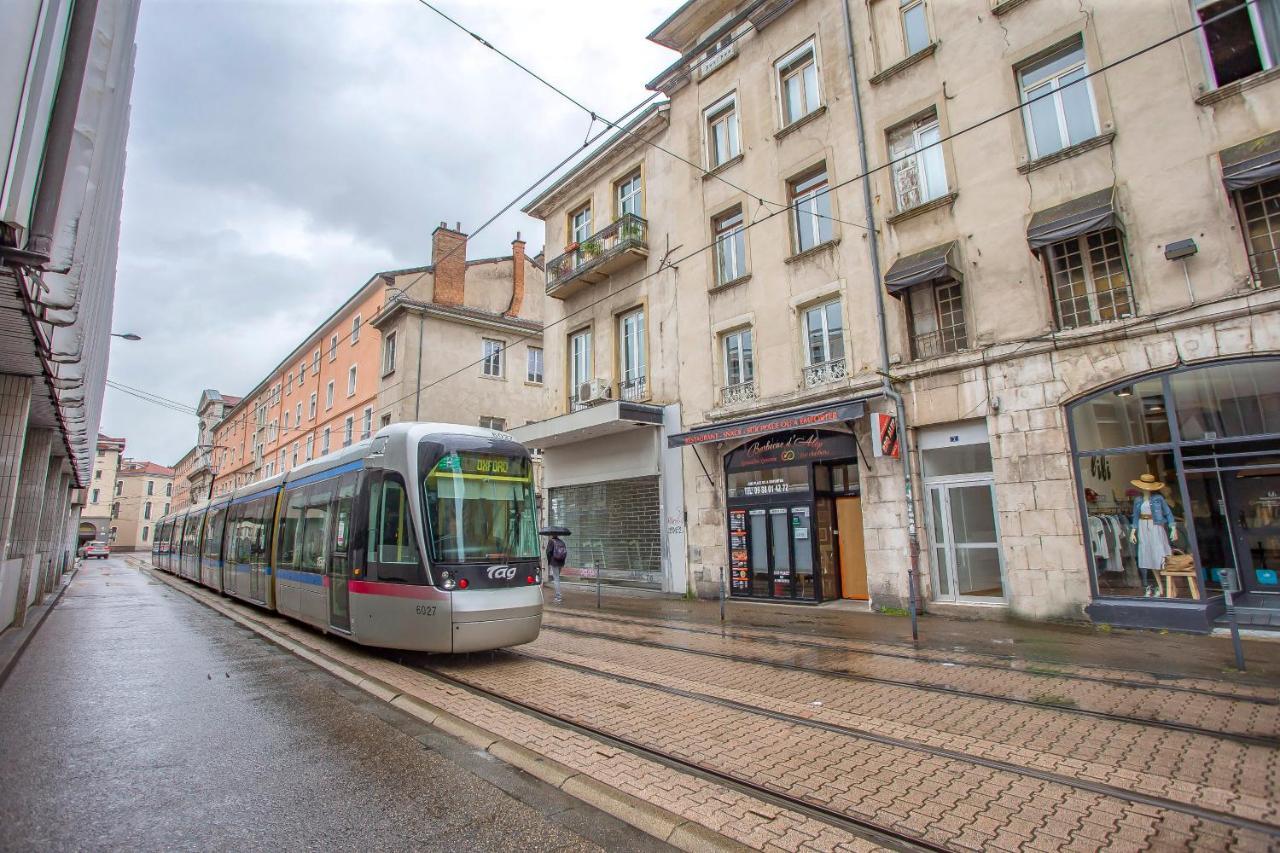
(417, 394)
(904, 447)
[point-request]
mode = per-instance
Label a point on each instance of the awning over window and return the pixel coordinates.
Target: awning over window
(1250, 163)
(932, 266)
(813, 416)
(1080, 216)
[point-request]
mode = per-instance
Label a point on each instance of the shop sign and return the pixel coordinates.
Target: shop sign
(884, 434)
(828, 415)
(793, 448)
(759, 482)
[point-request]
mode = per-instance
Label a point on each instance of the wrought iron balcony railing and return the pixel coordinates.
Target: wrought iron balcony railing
(943, 342)
(732, 395)
(634, 389)
(824, 372)
(610, 249)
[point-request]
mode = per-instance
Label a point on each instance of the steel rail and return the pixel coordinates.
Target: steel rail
(861, 827)
(1099, 788)
(769, 635)
(1186, 728)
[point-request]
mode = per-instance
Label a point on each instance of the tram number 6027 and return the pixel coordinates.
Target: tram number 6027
(425, 610)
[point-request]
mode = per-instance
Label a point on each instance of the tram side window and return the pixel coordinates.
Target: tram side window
(259, 514)
(290, 524)
(342, 513)
(213, 534)
(191, 537)
(315, 518)
(391, 544)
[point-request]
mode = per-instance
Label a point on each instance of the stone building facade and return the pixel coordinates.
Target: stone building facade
(1067, 273)
(96, 519)
(144, 496)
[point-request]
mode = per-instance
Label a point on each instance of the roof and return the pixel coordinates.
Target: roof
(133, 468)
(455, 312)
(106, 442)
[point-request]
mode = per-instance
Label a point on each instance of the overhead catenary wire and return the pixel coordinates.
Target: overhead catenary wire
(1023, 104)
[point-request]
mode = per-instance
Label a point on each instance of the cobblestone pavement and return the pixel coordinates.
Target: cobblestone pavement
(956, 770)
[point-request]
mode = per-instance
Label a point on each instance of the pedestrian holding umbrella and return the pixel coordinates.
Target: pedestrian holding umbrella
(557, 552)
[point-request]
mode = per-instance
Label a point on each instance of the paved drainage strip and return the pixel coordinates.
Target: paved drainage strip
(677, 830)
(1098, 788)
(776, 638)
(1239, 737)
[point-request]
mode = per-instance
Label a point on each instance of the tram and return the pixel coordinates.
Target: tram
(423, 538)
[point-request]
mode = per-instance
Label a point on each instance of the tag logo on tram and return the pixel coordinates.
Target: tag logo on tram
(505, 573)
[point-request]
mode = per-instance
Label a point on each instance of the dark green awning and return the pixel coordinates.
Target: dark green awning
(1252, 162)
(1084, 215)
(932, 266)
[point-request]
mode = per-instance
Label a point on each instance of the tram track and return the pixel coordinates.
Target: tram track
(1185, 728)
(1101, 789)
(1041, 667)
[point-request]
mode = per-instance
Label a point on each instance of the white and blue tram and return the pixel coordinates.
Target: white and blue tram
(423, 537)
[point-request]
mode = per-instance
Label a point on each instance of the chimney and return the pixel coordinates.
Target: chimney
(449, 257)
(517, 276)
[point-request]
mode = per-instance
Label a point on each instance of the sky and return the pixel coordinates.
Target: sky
(281, 152)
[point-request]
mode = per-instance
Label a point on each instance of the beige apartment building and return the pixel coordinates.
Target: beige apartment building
(1068, 277)
(144, 492)
(96, 523)
(461, 340)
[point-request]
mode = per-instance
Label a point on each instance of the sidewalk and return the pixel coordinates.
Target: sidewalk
(1164, 653)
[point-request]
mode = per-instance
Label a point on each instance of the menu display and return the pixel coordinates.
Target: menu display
(739, 570)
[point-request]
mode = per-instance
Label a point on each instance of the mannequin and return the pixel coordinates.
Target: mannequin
(1151, 517)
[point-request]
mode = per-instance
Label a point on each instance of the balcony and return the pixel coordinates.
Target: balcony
(824, 372)
(737, 395)
(599, 256)
(634, 389)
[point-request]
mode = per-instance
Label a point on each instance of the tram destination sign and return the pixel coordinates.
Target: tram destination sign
(811, 417)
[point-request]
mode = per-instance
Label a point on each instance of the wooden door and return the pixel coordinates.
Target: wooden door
(853, 558)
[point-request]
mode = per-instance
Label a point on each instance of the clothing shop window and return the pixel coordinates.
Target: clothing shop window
(731, 246)
(937, 319)
(919, 174)
(632, 358)
(491, 365)
(915, 29)
(1259, 208)
(810, 198)
(723, 142)
(630, 195)
(1228, 401)
(1059, 110)
(1090, 279)
(1239, 40)
(798, 83)
(533, 368)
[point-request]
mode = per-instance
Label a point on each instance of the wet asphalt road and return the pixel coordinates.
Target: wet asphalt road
(138, 719)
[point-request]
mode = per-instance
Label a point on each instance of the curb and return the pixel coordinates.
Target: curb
(661, 823)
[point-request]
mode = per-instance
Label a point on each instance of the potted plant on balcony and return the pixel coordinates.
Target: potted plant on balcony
(590, 248)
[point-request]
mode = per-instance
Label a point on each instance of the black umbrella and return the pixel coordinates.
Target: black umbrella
(554, 531)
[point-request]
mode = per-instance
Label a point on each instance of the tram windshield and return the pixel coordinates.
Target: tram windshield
(480, 507)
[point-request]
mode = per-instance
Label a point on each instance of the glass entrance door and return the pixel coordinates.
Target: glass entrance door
(967, 563)
(1255, 510)
(780, 548)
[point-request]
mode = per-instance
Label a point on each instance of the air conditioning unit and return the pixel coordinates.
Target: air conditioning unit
(594, 391)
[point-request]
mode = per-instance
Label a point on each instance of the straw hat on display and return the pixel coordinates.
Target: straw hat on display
(1148, 482)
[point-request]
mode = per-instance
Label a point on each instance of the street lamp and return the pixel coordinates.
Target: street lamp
(128, 336)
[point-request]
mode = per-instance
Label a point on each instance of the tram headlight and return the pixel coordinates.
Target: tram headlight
(447, 581)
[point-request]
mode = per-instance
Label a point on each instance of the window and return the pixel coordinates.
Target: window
(315, 362)
(811, 209)
(272, 429)
(1090, 279)
(297, 415)
(355, 329)
(798, 83)
(324, 441)
(1260, 211)
(144, 533)
(328, 396)
(293, 458)
(824, 331)
(302, 371)
(919, 174)
(168, 493)
(632, 357)
(348, 429)
(115, 510)
(288, 383)
(937, 319)
(915, 29)
(731, 246)
(534, 368)
(630, 195)
(1244, 41)
(389, 354)
(97, 475)
(166, 509)
(492, 364)
(739, 359)
(351, 381)
(723, 143)
(283, 456)
(489, 422)
(580, 224)
(94, 497)
(151, 487)
(119, 486)
(385, 420)
(333, 348)
(286, 421)
(366, 424)
(312, 408)
(311, 446)
(146, 510)
(580, 368)
(1058, 109)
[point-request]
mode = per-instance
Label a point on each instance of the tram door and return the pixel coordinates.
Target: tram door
(339, 562)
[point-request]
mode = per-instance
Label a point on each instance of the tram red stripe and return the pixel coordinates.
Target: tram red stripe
(397, 590)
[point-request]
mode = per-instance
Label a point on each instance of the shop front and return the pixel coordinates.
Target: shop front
(1178, 478)
(792, 504)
